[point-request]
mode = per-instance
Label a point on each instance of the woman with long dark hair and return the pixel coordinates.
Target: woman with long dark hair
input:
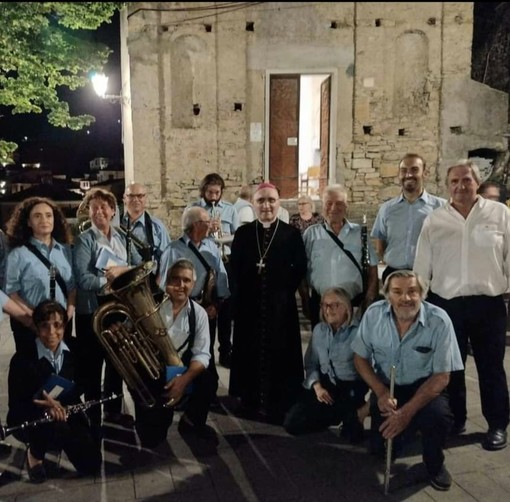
(39, 263)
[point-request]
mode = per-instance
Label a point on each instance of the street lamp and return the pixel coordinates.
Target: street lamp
(100, 85)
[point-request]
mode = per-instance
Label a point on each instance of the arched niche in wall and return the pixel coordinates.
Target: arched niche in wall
(188, 83)
(411, 91)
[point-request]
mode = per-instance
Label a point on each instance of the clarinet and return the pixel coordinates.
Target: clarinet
(47, 418)
(365, 258)
(53, 275)
(128, 240)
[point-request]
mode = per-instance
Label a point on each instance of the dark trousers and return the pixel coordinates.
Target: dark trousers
(73, 436)
(482, 321)
(310, 415)
(90, 367)
(152, 424)
(24, 338)
(225, 320)
(212, 363)
(434, 421)
(315, 308)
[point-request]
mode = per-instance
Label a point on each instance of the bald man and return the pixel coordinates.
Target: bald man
(146, 228)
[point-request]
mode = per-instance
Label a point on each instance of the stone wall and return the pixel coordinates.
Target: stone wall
(400, 83)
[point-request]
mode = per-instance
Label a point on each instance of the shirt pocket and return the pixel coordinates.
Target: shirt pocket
(487, 236)
(420, 358)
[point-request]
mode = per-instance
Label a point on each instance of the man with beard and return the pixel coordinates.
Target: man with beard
(224, 222)
(418, 339)
(399, 220)
(463, 250)
(268, 262)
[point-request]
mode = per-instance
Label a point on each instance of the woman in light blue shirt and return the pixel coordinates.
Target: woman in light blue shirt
(333, 391)
(39, 263)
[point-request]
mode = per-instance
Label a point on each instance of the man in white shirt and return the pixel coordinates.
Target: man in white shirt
(463, 250)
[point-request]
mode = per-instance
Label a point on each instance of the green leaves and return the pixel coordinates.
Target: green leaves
(45, 47)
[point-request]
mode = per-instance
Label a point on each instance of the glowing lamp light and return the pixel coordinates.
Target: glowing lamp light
(99, 83)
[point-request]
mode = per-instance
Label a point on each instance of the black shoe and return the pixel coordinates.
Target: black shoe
(494, 440)
(5, 449)
(458, 428)
(204, 431)
(442, 481)
(37, 473)
(354, 432)
(225, 359)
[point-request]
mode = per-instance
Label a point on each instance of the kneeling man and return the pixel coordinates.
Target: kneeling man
(418, 339)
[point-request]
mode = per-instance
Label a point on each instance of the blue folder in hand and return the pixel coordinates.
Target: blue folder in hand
(173, 371)
(57, 387)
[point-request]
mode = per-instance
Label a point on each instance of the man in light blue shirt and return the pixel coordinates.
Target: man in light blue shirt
(187, 328)
(418, 340)
(196, 247)
(329, 265)
(399, 220)
(146, 228)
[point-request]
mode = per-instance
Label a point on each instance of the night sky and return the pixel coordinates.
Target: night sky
(64, 150)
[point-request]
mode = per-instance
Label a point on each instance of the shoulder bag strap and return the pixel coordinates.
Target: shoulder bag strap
(346, 251)
(48, 264)
(198, 255)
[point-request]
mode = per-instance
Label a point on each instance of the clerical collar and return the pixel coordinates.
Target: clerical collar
(267, 224)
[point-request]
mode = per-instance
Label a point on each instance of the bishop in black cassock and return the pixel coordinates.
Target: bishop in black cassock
(268, 261)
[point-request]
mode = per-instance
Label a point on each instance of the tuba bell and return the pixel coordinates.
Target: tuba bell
(82, 217)
(139, 349)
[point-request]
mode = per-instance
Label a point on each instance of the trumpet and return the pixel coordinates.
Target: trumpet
(219, 237)
(47, 418)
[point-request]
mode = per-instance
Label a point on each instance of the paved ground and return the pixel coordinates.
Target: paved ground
(258, 462)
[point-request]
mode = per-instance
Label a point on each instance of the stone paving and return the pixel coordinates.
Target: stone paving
(256, 462)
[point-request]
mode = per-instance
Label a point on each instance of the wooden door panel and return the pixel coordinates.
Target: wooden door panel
(283, 128)
(324, 138)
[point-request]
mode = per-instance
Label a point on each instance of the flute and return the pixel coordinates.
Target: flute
(389, 442)
(47, 418)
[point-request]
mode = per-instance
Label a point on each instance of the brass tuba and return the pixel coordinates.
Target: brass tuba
(139, 352)
(82, 217)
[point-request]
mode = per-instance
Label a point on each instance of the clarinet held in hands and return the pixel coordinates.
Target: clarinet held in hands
(47, 418)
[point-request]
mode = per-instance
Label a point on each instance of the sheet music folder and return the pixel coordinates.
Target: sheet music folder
(56, 386)
(106, 258)
(173, 371)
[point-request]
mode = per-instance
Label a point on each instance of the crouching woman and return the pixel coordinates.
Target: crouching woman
(333, 391)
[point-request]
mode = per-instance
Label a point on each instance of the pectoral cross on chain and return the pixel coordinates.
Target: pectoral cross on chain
(260, 265)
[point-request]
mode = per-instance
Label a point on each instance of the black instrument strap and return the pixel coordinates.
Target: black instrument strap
(192, 319)
(198, 254)
(149, 229)
(48, 264)
(346, 251)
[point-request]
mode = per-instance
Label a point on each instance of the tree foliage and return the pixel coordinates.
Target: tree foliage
(44, 48)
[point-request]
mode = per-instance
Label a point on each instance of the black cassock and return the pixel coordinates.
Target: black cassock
(267, 363)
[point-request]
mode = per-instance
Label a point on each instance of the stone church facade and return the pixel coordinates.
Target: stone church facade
(210, 89)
